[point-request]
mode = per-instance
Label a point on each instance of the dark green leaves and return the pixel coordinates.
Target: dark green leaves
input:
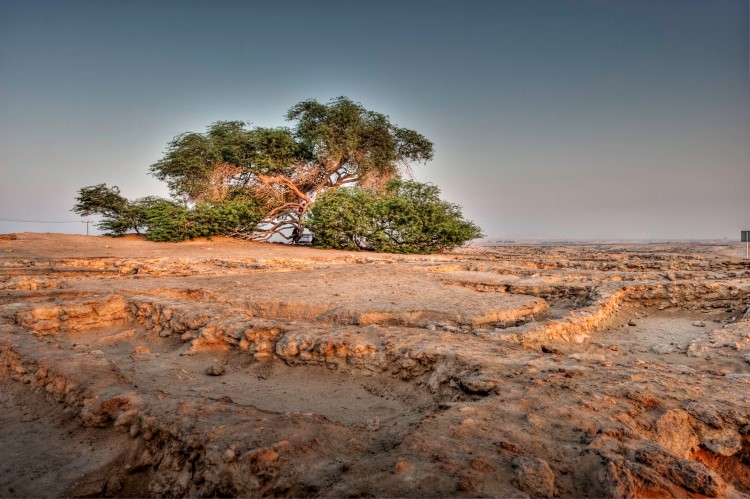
(406, 217)
(343, 134)
(168, 221)
(191, 160)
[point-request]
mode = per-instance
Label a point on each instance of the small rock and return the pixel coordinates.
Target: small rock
(482, 465)
(704, 412)
(263, 456)
(674, 432)
(594, 357)
(216, 370)
(373, 424)
(631, 323)
(125, 420)
(727, 443)
(554, 350)
(579, 339)
(401, 466)
(230, 454)
(534, 476)
(139, 351)
(114, 486)
(696, 349)
(466, 485)
(691, 475)
(477, 383)
(664, 349)
(699, 324)
(509, 446)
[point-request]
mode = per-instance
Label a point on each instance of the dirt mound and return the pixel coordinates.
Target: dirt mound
(222, 368)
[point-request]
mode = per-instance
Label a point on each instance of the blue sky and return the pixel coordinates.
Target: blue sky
(626, 119)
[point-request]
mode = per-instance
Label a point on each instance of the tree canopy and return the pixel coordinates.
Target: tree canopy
(262, 183)
(286, 169)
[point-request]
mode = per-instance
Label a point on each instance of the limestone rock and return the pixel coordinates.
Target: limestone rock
(216, 370)
(139, 351)
(726, 443)
(534, 476)
(673, 432)
(690, 475)
(374, 424)
(696, 348)
(704, 412)
(664, 349)
(476, 383)
(626, 479)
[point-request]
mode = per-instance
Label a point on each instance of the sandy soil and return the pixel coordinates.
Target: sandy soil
(222, 367)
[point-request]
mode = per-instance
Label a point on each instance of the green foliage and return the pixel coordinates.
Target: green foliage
(343, 219)
(406, 217)
(168, 221)
(99, 199)
(191, 159)
(356, 141)
(118, 214)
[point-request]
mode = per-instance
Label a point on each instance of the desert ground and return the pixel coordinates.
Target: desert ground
(227, 368)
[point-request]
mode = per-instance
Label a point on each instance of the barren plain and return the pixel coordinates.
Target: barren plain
(225, 368)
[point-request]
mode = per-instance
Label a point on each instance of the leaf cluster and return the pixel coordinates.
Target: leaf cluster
(119, 214)
(190, 160)
(405, 217)
(346, 139)
(169, 221)
(166, 220)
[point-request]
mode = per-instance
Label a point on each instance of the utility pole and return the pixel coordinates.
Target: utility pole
(87, 222)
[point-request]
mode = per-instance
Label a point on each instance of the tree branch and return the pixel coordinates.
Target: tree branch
(286, 182)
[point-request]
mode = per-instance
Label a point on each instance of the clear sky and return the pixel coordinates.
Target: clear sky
(599, 118)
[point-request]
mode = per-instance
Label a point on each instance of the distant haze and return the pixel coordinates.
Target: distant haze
(600, 119)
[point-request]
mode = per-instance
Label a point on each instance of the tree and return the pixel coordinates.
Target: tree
(118, 214)
(405, 217)
(286, 170)
(338, 168)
